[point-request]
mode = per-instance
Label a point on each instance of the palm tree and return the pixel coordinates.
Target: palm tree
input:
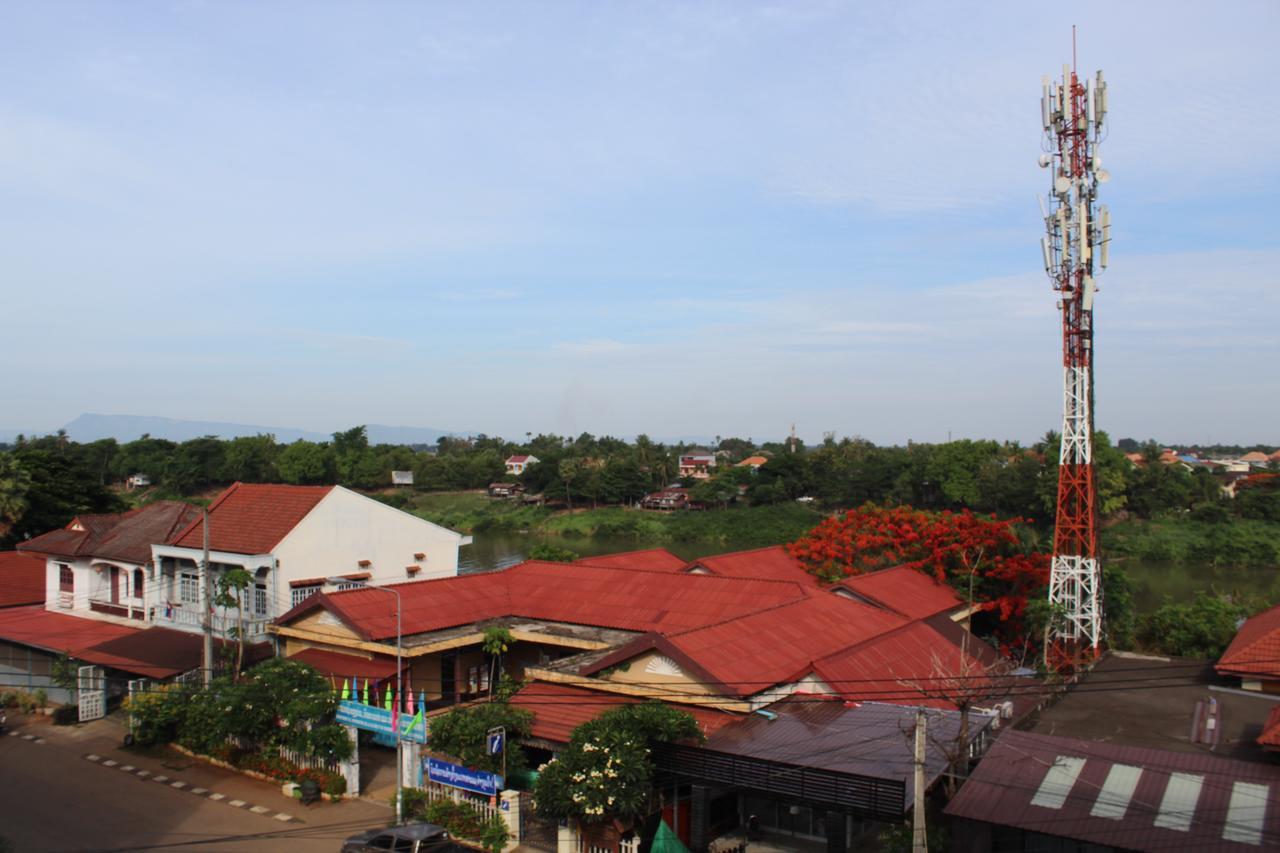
(15, 483)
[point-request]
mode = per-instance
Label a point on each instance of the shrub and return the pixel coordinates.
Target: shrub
(1202, 629)
(461, 734)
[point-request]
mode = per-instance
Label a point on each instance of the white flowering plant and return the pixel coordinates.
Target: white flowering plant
(607, 770)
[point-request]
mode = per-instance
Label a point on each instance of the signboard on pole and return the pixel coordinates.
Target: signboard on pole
(495, 739)
(370, 718)
(457, 776)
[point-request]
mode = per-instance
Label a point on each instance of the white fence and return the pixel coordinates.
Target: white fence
(629, 845)
(436, 791)
(306, 762)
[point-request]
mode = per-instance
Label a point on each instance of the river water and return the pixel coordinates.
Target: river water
(1153, 582)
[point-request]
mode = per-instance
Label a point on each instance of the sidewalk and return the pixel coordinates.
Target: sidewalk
(101, 743)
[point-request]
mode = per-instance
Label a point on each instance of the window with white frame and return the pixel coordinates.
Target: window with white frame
(300, 594)
(66, 578)
(189, 588)
(260, 599)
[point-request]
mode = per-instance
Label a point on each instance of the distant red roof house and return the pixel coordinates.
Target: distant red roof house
(516, 464)
(126, 536)
(697, 465)
(903, 590)
(21, 579)
(1255, 456)
(1254, 654)
(252, 518)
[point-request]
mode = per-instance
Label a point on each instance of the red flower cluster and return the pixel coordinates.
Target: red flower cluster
(954, 547)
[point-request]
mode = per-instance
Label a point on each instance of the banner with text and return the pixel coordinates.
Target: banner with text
(374, 719)
(457, 776)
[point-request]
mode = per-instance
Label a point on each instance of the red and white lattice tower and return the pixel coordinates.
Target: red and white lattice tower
(1076, 244)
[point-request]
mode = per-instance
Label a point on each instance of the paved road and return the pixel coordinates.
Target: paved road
(52, 799)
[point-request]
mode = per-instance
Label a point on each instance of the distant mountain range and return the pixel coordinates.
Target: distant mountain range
(91, 427)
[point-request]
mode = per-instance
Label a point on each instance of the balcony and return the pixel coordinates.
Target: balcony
(124, 610)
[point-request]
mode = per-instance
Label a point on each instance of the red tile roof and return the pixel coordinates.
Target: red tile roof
(914, 665)
(126, 536)
(904, 590)
(772, 563)
(151, 652)
(21, 579)
(651, 559)
(753, 652)
(252, 518)
(1255, 651)
(1270, 736)
(626, 599)
(516, 460)
(560, 708)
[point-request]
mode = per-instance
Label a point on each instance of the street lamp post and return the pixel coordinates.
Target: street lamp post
(399, 688)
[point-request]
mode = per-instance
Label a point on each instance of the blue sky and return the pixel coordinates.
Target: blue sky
(680, 219)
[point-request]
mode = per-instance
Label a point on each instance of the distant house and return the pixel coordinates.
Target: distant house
(753, 462)
(517, 464)
(505, 490)
(667, 499)
(697, 465)
(402, 478)
(1255, 457)
(137, 481)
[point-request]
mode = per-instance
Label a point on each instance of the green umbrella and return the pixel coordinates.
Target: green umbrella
(665, 841)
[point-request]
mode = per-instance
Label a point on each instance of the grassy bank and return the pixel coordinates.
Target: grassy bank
(741, 527)
(1233, 542)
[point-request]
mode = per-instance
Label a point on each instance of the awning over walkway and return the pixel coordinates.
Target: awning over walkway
(150, 652)
(339, 665)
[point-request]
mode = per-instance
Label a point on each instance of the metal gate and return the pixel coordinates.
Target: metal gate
(91, 693)
(537, 832)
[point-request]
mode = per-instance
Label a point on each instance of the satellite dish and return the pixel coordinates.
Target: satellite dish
(1061, 184)
(1045, 161)
(1103, 176)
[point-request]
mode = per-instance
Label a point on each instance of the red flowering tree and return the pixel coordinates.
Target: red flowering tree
(980, 556)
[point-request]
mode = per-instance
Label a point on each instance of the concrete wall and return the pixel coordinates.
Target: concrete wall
(346, 528)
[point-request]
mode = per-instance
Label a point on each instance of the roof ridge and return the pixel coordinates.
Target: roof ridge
(657, 572)
(749, 613)
(783, 547)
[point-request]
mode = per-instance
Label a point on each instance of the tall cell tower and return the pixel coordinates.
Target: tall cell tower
(1073, 113)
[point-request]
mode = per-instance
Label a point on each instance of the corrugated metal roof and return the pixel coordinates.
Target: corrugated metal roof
(1158, 800)
(864, 739)
(627, 599)
(126, 536)
(21, 579)
(649, 559)
(904, 590)
(772, 563)
(560, 708)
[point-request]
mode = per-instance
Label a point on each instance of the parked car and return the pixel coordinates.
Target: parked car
(410, 838)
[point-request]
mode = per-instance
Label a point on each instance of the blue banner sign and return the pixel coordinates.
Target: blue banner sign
(457, 776)
(378, 720)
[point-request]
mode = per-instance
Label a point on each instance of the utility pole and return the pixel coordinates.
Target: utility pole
(919, 838)
(206, 604)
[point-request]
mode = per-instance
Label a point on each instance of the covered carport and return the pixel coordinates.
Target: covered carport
(814, 770)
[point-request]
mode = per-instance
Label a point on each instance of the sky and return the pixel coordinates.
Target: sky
(692, 218)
